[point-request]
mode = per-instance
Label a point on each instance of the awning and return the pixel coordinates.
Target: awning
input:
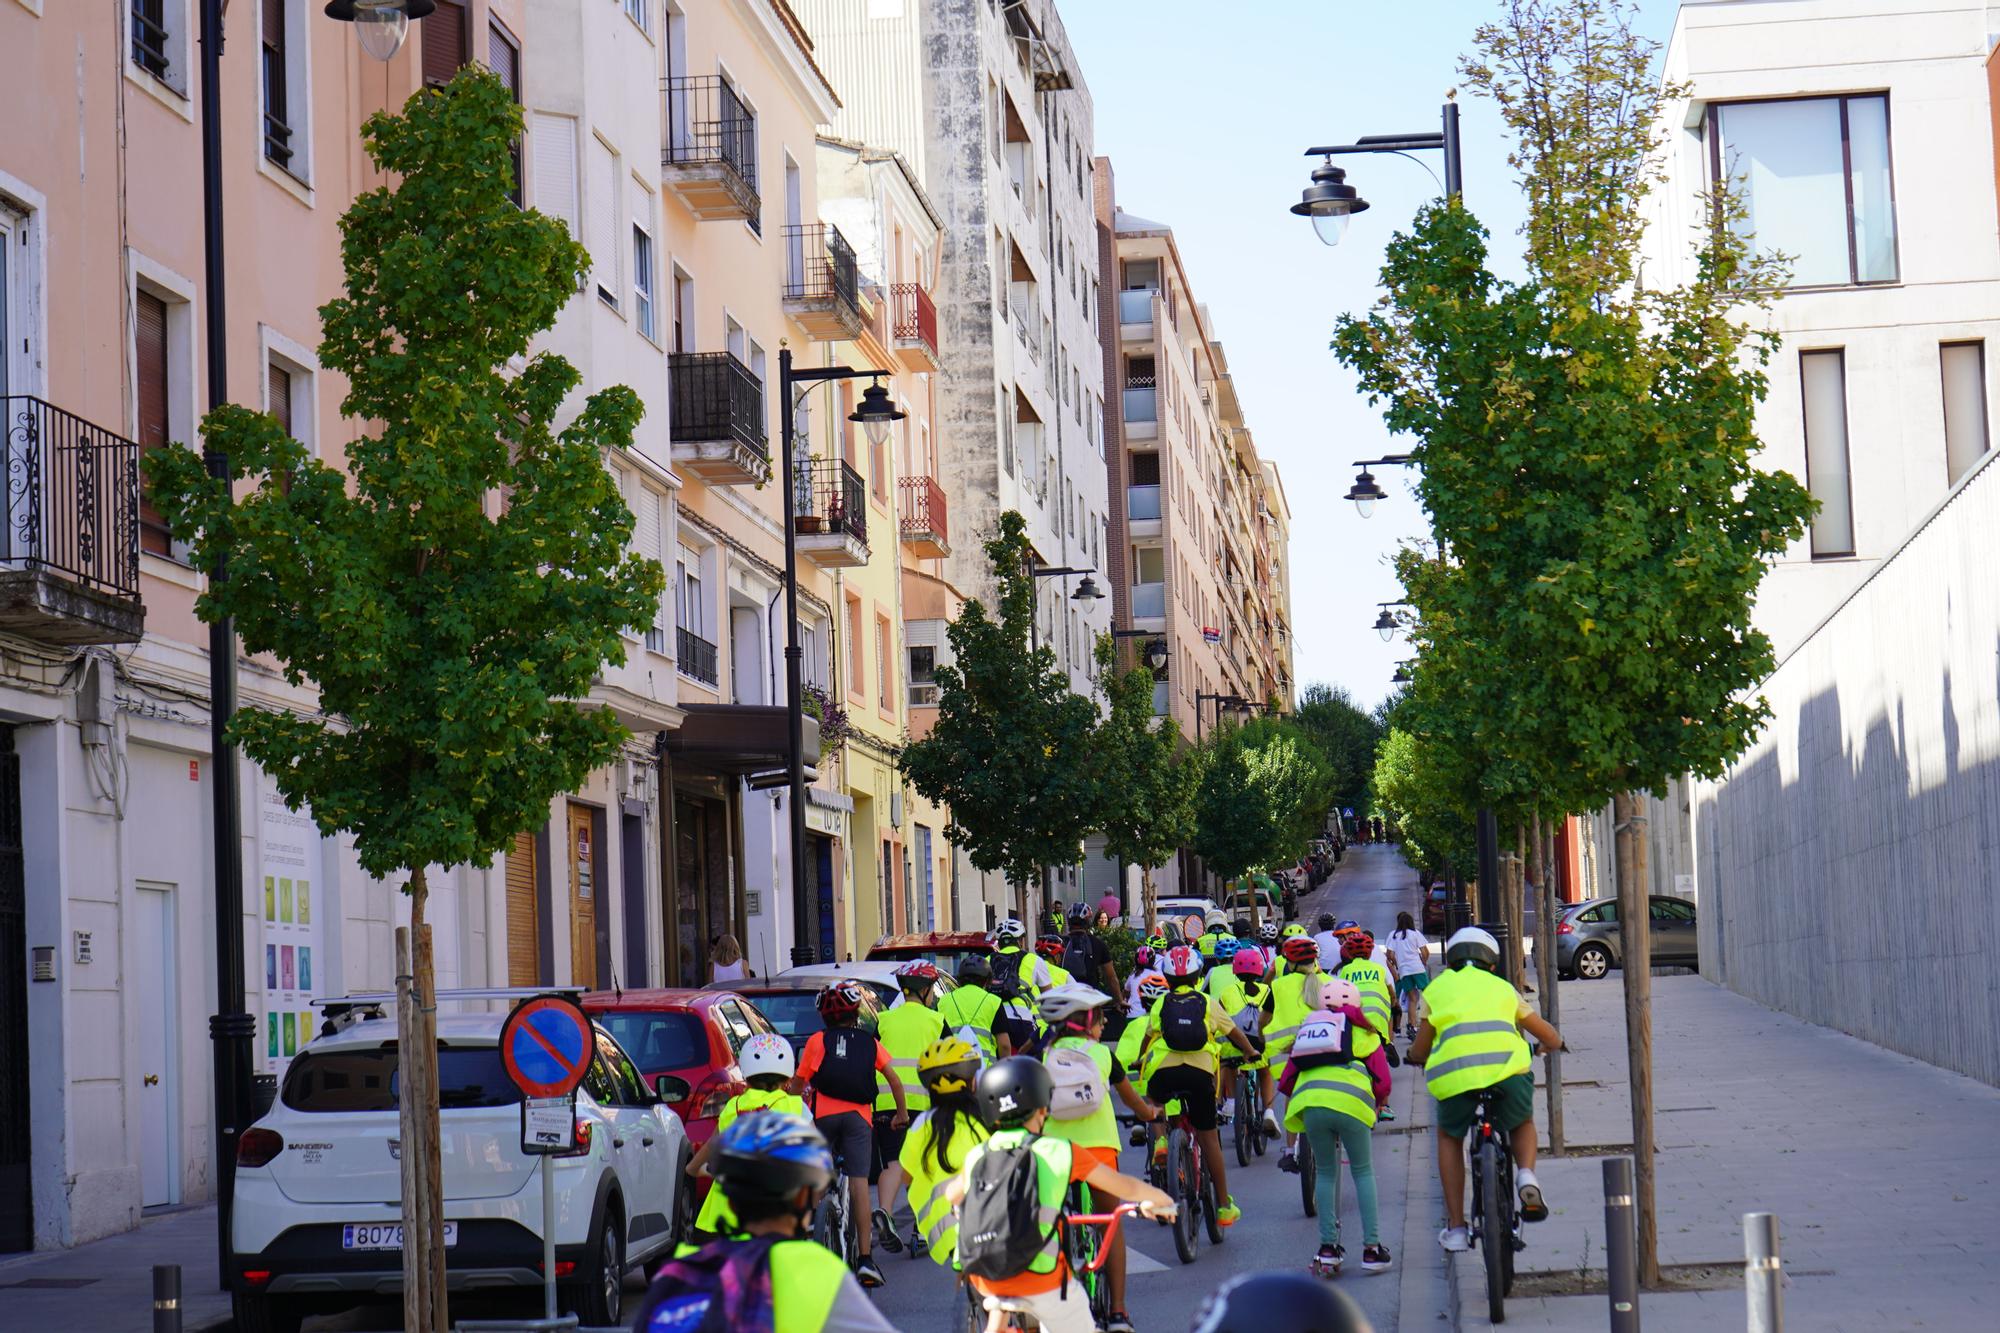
(737, 738)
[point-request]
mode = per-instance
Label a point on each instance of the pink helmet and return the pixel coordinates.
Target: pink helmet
(1336, 992)
(1248, 963)
(1143, 959)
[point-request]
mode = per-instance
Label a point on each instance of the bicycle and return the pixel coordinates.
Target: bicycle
(1086, 1251)
(1184, 1176)
(833, 1223)
(1302, 1153)
(1495, 1220)
(1251, 1134)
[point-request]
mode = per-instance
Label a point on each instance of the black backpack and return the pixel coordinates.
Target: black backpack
(847, 1065)
(1184, 1019)
(1080, 955)
(999, 1224)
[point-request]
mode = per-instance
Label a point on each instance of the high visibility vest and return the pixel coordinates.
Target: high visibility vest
(1053, 1158)
(1373, 983)
(1029, 967)
(975, 1008)
(1478, 1045)
(1205, 945)
(716, 1216)
(937, 1220)
(1057, 975)
(1099, 1129)
(805, 1282)
(1343, 1088)
(1288, 1010)
(906, 1030)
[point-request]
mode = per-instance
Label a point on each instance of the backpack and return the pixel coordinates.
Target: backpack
(1079, 1087)
(999, 1224)
(723, 1287)
(1184, 1019)
(1324, 1039)
(846, 1065)
(1079, 950)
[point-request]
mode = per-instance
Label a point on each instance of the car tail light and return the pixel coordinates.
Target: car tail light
(256, 1277)
(1565, 928)
(258, 1146)
(712, 1095)
(583, 1135)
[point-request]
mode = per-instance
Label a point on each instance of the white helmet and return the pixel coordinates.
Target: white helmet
(1472, 945)
(1010, 929)
(1068, 1000)
(766, 1053)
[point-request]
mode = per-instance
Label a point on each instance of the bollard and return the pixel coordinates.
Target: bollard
(1763, 1273)
(1621, 1246)
(166, 1298)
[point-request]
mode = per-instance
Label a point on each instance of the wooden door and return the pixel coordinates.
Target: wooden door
(583, 867)
(523, 914)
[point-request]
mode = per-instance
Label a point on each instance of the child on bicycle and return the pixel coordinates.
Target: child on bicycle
(1019, 1258)
(774, 1169)
(935, 1149)
(1183, 1023)
(1331, 1095)
(841, 1064)
(1470, 1044)
(767, 1065)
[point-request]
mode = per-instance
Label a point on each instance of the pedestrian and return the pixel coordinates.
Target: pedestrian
(725, 958)
(1412, 953)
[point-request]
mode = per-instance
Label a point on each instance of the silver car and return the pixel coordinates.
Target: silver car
(1588, 943)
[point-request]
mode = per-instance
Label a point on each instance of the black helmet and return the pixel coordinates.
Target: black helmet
(1242, 929)
(1012, 1090)
(1279, 1303)
(975, 969)
(1326, 921)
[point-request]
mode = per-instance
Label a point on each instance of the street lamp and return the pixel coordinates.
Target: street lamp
(1385, 624)
(1366, 491)
(1402, 676)
(381, 25)
(1235, 703)
(874, 414)
(1330, 202)
(1155, 651)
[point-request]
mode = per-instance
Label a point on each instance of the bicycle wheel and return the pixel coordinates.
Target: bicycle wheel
(1495, 1240)
(1181, 1188)
(1211, 1206)
(1308, 1175)
(1246, 1118)
(1262, 1138)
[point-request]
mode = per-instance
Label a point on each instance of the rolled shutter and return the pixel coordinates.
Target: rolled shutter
(654, 547)
(280, 393)
(150, 348)
(444, 42)
(523, 961)
(601, 217)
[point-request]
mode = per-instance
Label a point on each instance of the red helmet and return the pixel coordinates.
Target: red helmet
(1300, 951)
(917, 975)
(1182, 960)
(840, 1000)
(1051, 947)
(1356, 944)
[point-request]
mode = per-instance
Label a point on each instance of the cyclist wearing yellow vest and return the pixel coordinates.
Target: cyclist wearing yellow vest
(974, 1010)
(1050, 948)
(1132, 1050)
(1293, 995)
(904, 1031)
(1331, 1099)
(1010, 939)
(1214, 926)
(1378, 1003)
(936, 1146)
(1254, 997)
(1014, 1098)
(767, 1064)
(1470, 1042)
(773, 1168)
(1187, 1022)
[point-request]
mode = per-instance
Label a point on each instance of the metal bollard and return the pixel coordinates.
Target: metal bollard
(166, 1298)
(1763, 1273)
(1621, 1245)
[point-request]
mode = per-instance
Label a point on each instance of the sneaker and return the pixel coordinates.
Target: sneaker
(919, 1247)
(885, 1231)
(1455, 1240)
(1288, 1162)
(1533, 1209)
(867, 1274)
(1228, 1107)
(1385, 1115)
(1271, 1125)
(1327, 1262)
(1228, 1214)
(1119, 1322)
(1374, 1258)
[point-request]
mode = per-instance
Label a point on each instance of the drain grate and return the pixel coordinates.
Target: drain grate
(48, 1283)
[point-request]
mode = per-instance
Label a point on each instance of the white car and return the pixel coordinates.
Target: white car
(879, 976)
(318, 1219)
(1177, 909)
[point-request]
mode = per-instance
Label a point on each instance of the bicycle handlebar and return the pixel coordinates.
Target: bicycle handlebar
(1109, 1221)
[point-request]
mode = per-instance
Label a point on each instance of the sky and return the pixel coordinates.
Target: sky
(1205, 112)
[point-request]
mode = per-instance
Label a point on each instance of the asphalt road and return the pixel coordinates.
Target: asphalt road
(1372, 885)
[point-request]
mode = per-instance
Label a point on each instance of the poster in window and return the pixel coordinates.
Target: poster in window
(289, 853)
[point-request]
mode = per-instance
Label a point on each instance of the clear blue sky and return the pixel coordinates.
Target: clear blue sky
(1205, 111)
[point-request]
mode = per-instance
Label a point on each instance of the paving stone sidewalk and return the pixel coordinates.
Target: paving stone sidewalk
(1882, 1169)
(107, 1285)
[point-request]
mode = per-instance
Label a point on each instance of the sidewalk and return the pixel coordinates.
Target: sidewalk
(107, 1285)
(1881, 1169)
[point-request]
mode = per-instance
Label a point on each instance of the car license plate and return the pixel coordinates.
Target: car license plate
(384, 1235)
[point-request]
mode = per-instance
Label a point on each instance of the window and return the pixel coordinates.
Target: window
(1823, 385)
(688, 611)
(1815, 182)
(504, 56)
(152, 359)
(857, 668)
(278, 392)
(159, 41)
(1149, 565)
(1963, 368)
(16, 354)
(641, 13)
(922, 671)
(555, 167)
(444, 43)
(883, 675)
(1672, 911)
(649, 539)
(601, 217)
(642, 262)
(277, 120)
(683, 312)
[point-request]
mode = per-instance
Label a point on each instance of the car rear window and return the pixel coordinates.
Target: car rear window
(794, 1015)
(364, 1078)
(659, 1040)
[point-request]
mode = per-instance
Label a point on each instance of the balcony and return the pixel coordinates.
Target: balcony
(710, 158)
(1142, 504)
(831, 525)
(916, 334)
(820, 284)
(1141, 408)
(921, 513)
(1135, 314)
(694, 657)
(69, 528)
(1149, 601)
(716, 419)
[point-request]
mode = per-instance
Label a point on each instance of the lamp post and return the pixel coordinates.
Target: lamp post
(1086, 591)
(1155, 652)
(1235, 703)
(875, 414)
(1366, 490)
(1385, 624)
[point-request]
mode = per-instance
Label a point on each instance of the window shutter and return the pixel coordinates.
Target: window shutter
(444, 42)
(555, 167)
(601, 217)
(280, 391)
(151, 349)
(505, 58)
(523, 958)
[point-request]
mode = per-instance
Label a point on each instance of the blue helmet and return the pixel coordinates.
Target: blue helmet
(770, 1155)
(1225, 948)
(1348, 925)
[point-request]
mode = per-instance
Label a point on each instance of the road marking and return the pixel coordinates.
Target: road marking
(1138, 1261)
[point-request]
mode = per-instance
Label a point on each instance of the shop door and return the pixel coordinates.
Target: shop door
(17, 1217)
(583, 864)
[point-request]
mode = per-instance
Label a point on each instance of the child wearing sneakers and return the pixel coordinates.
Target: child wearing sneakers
(1331, 1099)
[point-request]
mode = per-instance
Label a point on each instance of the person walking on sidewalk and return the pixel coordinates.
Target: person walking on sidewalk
(1469, 1042)
(1411, 953)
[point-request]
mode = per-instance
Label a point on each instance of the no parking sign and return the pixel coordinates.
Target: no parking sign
(546, 1048)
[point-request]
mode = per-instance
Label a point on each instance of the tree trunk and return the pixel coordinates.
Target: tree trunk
(424, 1306)
(1545, 951)
(1512, 875)
(1147, 899)
(1635, 933)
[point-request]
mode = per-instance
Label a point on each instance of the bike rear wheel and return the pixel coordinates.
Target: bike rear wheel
(1308, 1176)
(1495, 1240)
(1182, 1186)
(1260, 1138)
(1246, 1120)
(1211, 1206)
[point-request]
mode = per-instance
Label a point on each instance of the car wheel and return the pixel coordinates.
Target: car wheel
(1592, 961)
(686, 1209)
(257, 1313)
(600, 1286)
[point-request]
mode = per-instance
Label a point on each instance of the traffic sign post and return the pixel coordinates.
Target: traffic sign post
(546, 1046)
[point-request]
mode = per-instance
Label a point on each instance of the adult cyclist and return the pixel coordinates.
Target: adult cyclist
(1010, 952)
(1470, 1043)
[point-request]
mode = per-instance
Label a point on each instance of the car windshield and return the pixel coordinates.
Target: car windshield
(659, 1040)
(794, 1015)
(364, 1078)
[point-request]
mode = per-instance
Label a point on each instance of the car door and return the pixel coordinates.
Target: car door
(1673, 931)
(647, 1195)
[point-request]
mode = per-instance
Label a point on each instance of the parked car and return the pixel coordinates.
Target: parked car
(1436, 899)
(1181, 906)
(685, 1044)
(1588, 946)
(791, 1005)
(941, 947)
(317, 1223)
(878, 975)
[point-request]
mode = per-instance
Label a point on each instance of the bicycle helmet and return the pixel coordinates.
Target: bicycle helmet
(1225, 948)
(1010, 931)
(1157, 940)
(1215, 920)
(1300, 951)
(1051, 947)
(1248, 963)
(1325, 921)
(1356, 944)
(769, 1156)
(1292, 931)
(1080, 914)
(948, 1064)
(1142, 957)
(975, 969)
(840, 1000)
(1278, 1302)
(1181, 961)
(1242, 929)
(1475, 946)
(1349, 924)
(1268, 932)
(1073, 1000)
(1012, 1090)
(1151, 987)
(766, 1053)
(1337, 991)
(917, 976)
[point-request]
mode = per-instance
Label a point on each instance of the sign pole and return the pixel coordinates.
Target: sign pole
(548, 1242)
(545, 1047)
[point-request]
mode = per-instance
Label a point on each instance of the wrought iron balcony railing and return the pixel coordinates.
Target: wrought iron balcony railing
(695, 656)
(715, 397)
(916, 317)
(831, 499)
(819, 265)
(712, 138)
(70, 503)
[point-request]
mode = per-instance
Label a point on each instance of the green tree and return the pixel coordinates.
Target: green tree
(1146, 779)
(1232, 816)
(450, 637)
(1434, 816)
(1345, 737)
(1010, 754)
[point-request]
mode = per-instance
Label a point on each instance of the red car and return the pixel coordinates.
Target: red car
(940, 947)
(685, 1043)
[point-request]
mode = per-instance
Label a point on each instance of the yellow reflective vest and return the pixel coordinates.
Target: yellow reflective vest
(974, 1008)
(1472, 1012)
(937, 1220)
(906, 1030)
(1288, 1009)
(1343, 1088)
(1376, 1000)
